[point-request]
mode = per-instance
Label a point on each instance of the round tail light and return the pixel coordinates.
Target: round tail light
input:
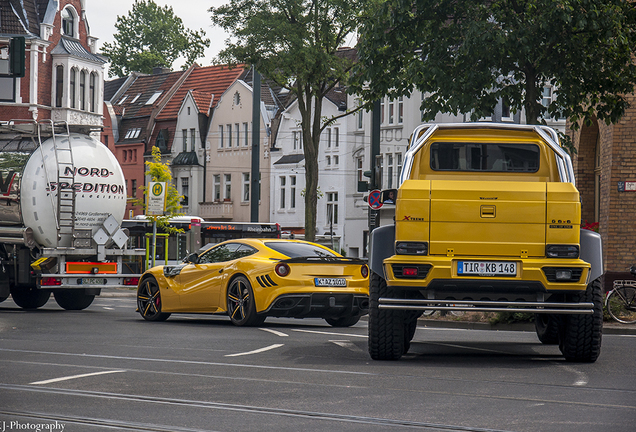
(282, 269)
(364, 270)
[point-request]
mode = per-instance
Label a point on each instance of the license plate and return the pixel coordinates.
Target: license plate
(92, 281)
(486, 268)
(330, 282)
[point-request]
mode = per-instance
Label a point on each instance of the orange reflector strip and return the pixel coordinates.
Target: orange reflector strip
(87, 267)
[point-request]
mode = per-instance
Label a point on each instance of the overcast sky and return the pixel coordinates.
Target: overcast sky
(102, 15)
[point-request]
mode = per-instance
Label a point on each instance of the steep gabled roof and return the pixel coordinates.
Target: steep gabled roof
(202, 101)
(210, 79)
(135, 99)
(20, 17)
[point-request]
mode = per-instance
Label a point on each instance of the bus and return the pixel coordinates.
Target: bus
(197, 234)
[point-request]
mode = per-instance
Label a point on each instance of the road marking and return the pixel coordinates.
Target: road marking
(329, 333)
(109, 308)
(581, 379)
(75, 376)
(277, 333)
(347, 344)
(260, 350)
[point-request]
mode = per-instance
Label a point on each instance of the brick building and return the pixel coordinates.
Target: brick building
(64, 75)
(605, 168)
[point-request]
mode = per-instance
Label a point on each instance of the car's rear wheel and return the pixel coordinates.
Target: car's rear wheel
(343, 321)
(547, 328)
(580, 336)
(241, 305)
(386, 327)
(149, 301)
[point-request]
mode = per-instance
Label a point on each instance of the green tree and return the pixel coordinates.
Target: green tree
(160, 172)
(467, 55)
(295, 44)
(151, 36)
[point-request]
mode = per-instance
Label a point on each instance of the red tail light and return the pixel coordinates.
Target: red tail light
(409, 271)
(282, 269)
(364, 270)
(49, 281)
(131, 281)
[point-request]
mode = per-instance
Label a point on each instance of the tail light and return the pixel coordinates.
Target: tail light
(364, 270)
(562, 251)
(282, 269)
(411, 248)
(49, 281)
(131, 281)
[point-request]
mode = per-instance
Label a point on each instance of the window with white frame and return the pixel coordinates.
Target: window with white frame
(246, 140)
(217, 187)
(328, 133)
(220, 136)
(336, 161)
(73, 87)
(133, 185)
(92, 91)
(185, 185)
(360, 118)
(548, 95)
(400, 111)
(82, 90)
(359, 168)
(389, 170)
(68, 22)
(292, 192)
(332, 208)
(237, 132)
(328, 161)
(246, 187)
(282, 180)
(193, 138)
(336, 137)
(228, 187)
(59, 86)
(398, 158)
(184, 139)
(298, 140)
(229, 136)
(391, 111)
(381, 111)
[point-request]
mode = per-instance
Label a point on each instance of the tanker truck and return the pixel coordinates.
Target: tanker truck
(62, 201)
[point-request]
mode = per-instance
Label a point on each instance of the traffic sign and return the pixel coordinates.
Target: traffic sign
(156, 204)
(374, 199)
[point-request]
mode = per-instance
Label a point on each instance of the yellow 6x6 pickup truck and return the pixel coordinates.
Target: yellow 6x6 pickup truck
(487, 218)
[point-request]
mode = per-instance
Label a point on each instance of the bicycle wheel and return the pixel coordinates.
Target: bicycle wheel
(621, 304)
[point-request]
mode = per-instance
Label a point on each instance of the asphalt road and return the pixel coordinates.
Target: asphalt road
(105, 369)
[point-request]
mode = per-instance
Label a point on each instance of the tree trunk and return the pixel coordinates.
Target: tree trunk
(531, 104)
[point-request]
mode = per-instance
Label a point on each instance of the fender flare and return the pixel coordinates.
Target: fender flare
(381, 246)
(592, 252)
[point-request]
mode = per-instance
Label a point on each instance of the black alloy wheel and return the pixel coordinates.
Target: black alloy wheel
(149, 301)
(241, 306)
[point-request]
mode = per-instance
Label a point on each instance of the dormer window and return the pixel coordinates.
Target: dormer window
(68, 22)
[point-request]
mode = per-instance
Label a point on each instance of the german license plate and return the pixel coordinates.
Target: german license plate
(330, 282)
(92, 281)
(486, 268)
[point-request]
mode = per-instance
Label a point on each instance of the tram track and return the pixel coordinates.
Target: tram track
(185, 403)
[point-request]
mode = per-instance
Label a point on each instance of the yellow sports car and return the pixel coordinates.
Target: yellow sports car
(251, 279)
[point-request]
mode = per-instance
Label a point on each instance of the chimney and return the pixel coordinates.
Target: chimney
(160, 70)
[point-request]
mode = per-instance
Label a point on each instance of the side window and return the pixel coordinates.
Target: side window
(243, 251)
(219, 254)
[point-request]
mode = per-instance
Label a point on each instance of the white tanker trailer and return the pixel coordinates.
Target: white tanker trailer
(62, 200)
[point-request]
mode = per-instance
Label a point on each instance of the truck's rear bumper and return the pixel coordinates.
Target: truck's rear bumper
(488, 306)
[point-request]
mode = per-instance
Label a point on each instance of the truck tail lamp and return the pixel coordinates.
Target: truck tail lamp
(50, 281)
(411, 248)
(562, 251)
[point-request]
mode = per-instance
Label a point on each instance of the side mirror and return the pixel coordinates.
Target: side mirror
(191, 258)
(389, 196)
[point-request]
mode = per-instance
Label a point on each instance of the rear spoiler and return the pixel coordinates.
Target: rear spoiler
(311, 259)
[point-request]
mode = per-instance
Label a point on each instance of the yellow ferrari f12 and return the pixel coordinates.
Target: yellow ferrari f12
(251, 279)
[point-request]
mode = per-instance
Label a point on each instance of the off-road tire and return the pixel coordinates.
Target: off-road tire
(343, 321)
(29, 298)
(410, 325)
(547, 328)
(580, 336)
(73, 299)
(386, 327)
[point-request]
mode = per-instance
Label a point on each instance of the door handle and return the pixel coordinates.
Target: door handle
(221, 271)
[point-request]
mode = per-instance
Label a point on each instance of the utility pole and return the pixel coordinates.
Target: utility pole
(256, 137)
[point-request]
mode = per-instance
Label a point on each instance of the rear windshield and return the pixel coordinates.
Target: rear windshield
(489, 157)
(293, 249)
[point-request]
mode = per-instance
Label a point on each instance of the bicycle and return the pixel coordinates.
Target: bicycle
(621, 300)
